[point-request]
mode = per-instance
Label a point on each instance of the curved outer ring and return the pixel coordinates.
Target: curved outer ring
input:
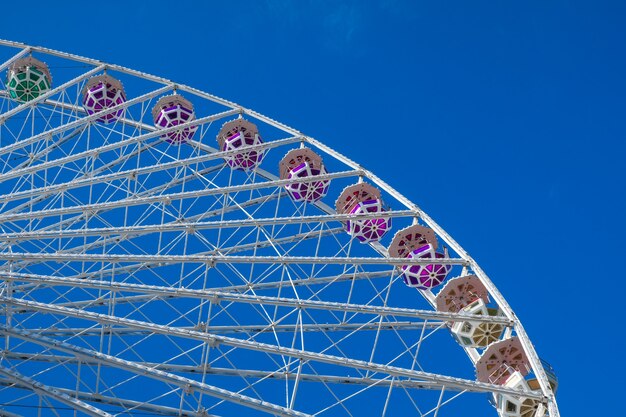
(493, 291)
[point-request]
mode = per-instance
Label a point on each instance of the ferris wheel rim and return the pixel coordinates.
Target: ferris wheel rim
(297, 136)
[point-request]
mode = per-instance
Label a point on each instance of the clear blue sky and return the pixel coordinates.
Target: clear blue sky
(505, 121)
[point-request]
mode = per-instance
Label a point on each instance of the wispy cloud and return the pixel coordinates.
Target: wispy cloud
(343, 22)
(337, 23)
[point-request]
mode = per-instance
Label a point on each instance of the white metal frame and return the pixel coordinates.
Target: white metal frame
(41, 212)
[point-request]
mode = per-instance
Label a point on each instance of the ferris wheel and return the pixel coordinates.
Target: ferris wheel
(168, 252)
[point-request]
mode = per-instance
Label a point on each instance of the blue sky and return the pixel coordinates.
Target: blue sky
(503, 120)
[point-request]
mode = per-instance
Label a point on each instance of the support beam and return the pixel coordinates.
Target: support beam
(307, 281)
(250, 328)
(218, 296)
(140, 369)
(454, 245)
(226, 250)
(51, 392)
(451, 383)
(245, 373)
(196, 226)
(151, 199)
(215, 259)
(106, 148)
(136, 172)
(553, 411)
(123, 403)
(77, 123)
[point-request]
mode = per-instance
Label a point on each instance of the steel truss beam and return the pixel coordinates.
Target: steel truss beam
(135, 201)
(109, 147)
(245, 373)
(80, 122)
(114, 401)
(132, 173)
(260, 328)
(104, 241)
(504, 306)
(306, 282)
(238, 288)
(195, 226)
(255, 201)
(451, 383)
(218, 296)
(140, 369)
(225, 250)
(496, 295)
(51, 392)
(215, 259)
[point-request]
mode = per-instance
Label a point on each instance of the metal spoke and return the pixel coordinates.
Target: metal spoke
(161, 238)
(453, 383)
(217, 296)
(51, 392)
(155, 373)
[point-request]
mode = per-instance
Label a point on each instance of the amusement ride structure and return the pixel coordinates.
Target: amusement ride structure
(168, 252)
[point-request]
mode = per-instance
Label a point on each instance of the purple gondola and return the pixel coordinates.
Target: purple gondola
(299, 164)
(174, 110)
(237, 135)
(419, 242)
(425, 277)
(100, 94)
(363, 198)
